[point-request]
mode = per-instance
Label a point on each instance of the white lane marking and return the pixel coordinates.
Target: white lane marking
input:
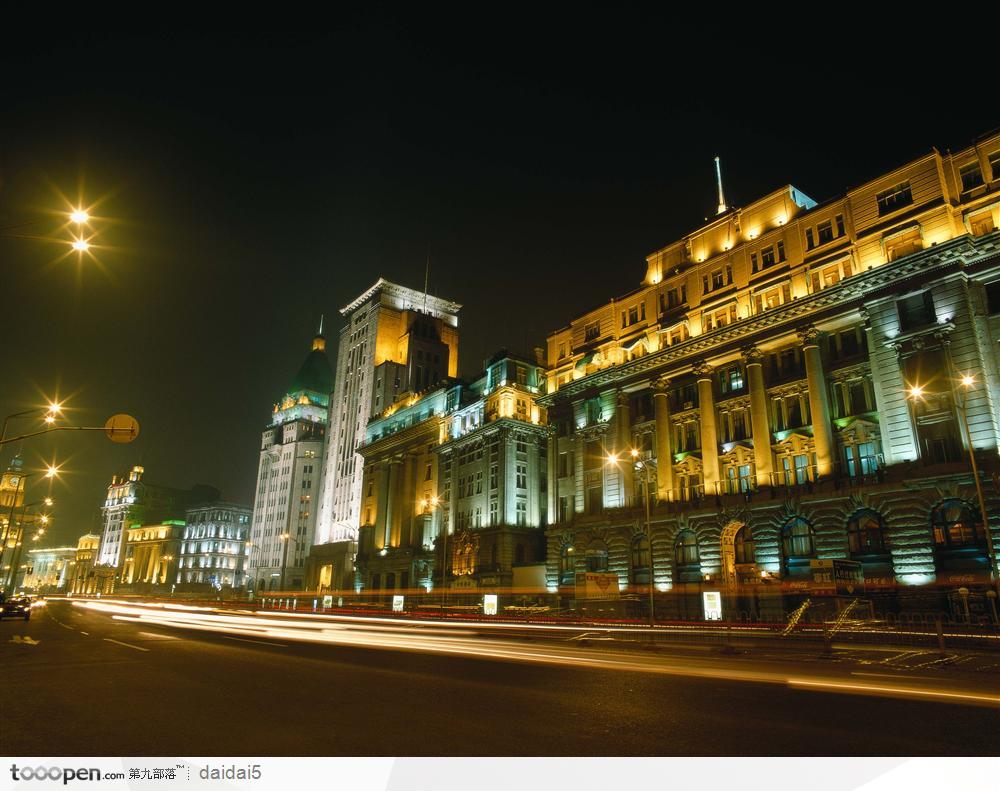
(155, 636)
(127, 645)
(86, 633)
(259, 642)
(64, 626)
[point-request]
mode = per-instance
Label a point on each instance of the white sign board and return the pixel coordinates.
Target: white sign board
(397, 603)
(328, 601)
(490, 604)
(712, 602)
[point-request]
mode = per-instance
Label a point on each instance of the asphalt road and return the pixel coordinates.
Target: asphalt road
(78, 682)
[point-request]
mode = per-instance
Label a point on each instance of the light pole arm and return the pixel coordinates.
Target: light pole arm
(108, 431)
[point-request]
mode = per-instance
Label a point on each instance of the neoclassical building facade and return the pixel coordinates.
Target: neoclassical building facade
(792, 382)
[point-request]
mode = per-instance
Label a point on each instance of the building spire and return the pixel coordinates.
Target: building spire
(718, 179)
(319, 342)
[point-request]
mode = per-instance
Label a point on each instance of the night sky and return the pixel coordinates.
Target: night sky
(246, 184)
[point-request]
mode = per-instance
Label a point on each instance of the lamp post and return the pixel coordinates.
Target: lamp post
(643, 467)
(429, 504)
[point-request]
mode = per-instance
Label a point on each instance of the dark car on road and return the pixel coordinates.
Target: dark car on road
(16, 607)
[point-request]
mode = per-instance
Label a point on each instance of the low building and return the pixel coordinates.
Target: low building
(214, 547)
(48, 570)
(83, 578)
(455, 482)
(151, 557)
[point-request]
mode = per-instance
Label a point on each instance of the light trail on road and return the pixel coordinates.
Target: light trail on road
(463, 640)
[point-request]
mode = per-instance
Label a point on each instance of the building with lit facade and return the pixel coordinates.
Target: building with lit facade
(48, 570)
(83, 580)
(455, 478)
(12, 488)
(794, 378)
(151, 557)
(214, 547)
(394, 340)
(131, 500)
(288, 477)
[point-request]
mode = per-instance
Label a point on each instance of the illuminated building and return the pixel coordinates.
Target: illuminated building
(793, 371)
(82, 578)
(131, 500)
(152, 552)
(394, 340)
(12, 486)
(288, 477)
(457, 473)
(48, 570)
(213, 549)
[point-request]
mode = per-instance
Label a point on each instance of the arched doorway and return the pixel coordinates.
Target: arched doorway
(739, 571)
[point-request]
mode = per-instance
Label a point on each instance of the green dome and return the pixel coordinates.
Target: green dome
(315, 373)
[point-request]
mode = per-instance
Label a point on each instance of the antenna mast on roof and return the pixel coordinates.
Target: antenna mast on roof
(320, 324)
(718, 178)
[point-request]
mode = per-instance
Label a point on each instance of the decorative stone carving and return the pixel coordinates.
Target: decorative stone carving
(752, 355)
(702, 369)
(808, 335)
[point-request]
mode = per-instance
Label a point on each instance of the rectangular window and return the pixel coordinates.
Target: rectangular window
(810, 239)
(995, 165)
(781, 252)
(894, 198)
(972, 176)
(824, 232)
(840, 225)
(767, 257)
(915, 311)
(592, 331)
(717, 279)
(753, 262)
(522, 476)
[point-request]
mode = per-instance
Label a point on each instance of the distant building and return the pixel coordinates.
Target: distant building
(151, 557)
(12, 486)
(214, 547)
(48, 570)
(83, 580)
(131, 500)
(395, 340)
(288, 477)
(456, 479)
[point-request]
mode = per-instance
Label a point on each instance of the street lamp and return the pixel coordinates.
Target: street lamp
(80, 216)
(643, 468)
(48, 415)
(967, 381)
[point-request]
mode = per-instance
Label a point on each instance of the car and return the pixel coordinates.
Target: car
(16, 607)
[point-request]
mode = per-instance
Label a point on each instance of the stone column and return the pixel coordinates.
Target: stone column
(709, 431)
(664, 441)
(552, 463)
(623, 442)
(819, 406)
(405, 507)
(391, 482)
(381, 504)
(760, 423)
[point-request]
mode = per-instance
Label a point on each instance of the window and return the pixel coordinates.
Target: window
(866, 533)
(956, 524)
(522, 513)
(567, 569)
(522, 476)
(995, 165)
(767, 257)
(597, 557)
(718, 279)
(993, 297)
(894, 198)
(797, 538)
(902, 244)
(824, 232)
(916, 310)
(640, 560)
(972, 176)
(746, 549)
(686, 548)
(592, 331)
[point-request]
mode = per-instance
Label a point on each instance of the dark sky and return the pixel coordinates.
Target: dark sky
(245, 184)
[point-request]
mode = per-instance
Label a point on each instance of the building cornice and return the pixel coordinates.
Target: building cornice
(434, 304)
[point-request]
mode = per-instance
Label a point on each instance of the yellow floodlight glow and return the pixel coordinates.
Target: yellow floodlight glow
(968, 381)
(81, 245)
(916, 391)
(79, 216)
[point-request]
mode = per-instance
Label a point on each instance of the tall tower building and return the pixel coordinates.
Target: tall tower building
(394, 340)
(288, 476)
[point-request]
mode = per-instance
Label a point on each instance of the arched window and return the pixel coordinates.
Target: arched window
(957, 524)
(746, 549)
(686, 548)
(640, 561)
(866, 533)
(797, 538)
(567, 568)
(597, 556)
(686, 557)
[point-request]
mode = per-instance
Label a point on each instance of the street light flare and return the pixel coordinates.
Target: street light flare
(916, 391)
(968, 381)
(79, 216)
(81, 245)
